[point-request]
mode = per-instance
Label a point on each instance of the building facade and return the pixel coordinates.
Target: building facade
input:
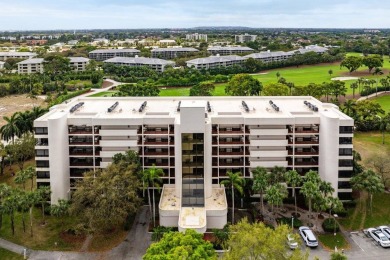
(171, 53)
(35, 65)
(229, 50)
(244, 38)
(153, 63)
(214, 62)
(196, 37)
(196, 141)
(105, 54)
(19, 55)
(2, 64)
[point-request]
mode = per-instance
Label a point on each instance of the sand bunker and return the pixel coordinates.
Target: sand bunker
(344, 78)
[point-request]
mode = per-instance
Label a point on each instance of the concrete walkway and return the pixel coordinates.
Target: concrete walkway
(133, 247)
(373, 95)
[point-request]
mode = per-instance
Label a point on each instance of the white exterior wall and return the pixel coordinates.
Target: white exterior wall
(59, 158)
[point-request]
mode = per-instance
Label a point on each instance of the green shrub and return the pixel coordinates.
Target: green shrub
(287, 221)
(329, 225)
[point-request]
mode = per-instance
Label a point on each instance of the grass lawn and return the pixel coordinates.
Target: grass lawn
(384, 101)
(5, 254)
(103, 94)
(329, 241)
(369, 144)
(174, 92)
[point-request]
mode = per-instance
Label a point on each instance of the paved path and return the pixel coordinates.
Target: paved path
(133, 247)
(373, 95)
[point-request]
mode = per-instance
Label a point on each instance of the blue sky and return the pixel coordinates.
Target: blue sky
(99, 14)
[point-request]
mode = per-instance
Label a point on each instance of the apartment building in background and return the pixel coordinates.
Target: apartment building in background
(244, 38)
(171, 53)
(196, 37)
(18, 55)
(153, 63)
(104, 54)
(196, 141)
(229, 50)
(214, 62)
(35, 65)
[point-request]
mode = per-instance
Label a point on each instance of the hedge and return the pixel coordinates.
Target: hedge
(329, 225)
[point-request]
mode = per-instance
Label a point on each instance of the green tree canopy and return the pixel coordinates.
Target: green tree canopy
(177, 245)
(372, 61)
(352, 63)
(243, 85)
(202, 89)
(138, 90)
(256, 241)
(276, 89)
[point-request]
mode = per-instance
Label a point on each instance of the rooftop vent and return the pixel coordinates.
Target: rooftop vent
(246, 108)
(178, 106)
(274, 106)
(75, 107)
(208, 107)
(112, 108)
(142, 107)
(311, 106)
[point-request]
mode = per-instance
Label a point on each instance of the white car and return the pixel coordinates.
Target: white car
(308, 236)
(385, 230)
(379, 237)
(291, 242)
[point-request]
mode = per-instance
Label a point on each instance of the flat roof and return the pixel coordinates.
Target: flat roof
(230, 48)
(174, 49)
(115, 51)
(139, 60)
(32, 61)
(221, 107)
(215, 59)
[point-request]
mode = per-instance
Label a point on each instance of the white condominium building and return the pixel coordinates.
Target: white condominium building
(245, 38)
(196, 37)
(105, 54)
(196, 141)
(35, 65)
(271, 56)
(171, 53)
(19, 55)
(153, 63)
(213, 62)
(229, 50)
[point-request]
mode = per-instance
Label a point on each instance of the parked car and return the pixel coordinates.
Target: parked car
(308, 236)
(378, 236)
(291, 241)
(385, 230)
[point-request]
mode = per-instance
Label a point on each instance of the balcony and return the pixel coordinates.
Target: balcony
(119, 132)
(304, 163)
(298, 130)
(157, 164)
(282, 153)
(75, 130)
(267, 164)
(282, 142)
(118, 143)
(268, 131)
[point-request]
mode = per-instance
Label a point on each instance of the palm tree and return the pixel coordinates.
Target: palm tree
(353, 86)
(21, 178)
(310, 190)
(277, 174)
(260, 183)
(294, 179)
(24, 122)
(377, 71)
(326, 188)
(37, 112)
(349, 107)
(22, 206)
(60, 210)
(5, 191)
(9, 207)
(10, 129)
(369, 182)
(32, 199)
(384, 122)
(384, 83)
(312, 176)
(275, 195)
(234, 181)
(43, 194)
(153, 176)
(333, 204)
(30, 173)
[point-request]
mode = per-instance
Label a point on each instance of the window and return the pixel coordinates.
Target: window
(40, 130)
(346, 129)
(43, 174)
(345, 174)
(345, 140)
(345, 163)
(345, 151)
(42, 164)
(344, 185)
(42, 153)
(345, 195)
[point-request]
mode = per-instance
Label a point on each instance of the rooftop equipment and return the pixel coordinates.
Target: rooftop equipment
(208, 107)
(75, 107)
(112, 108)
(311, 106)
(178, 106)
(246, 108)
(142, 107)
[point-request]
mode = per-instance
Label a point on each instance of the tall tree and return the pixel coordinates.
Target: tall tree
(310, 190)
(202, 89)
(257, 241)
(354, 86)
(243, 85)
(5, 191)
(352, 63)
(43, 196)
(381, 165)
(152, 176)
(372, 61)
(275, 195)
(293, 178)
(260, 184)
(369, 182)
(234, 182)
(10, 130)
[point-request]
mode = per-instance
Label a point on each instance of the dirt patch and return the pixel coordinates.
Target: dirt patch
(107, 84)
(70, 238)
(17, 103)
(362, 73)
